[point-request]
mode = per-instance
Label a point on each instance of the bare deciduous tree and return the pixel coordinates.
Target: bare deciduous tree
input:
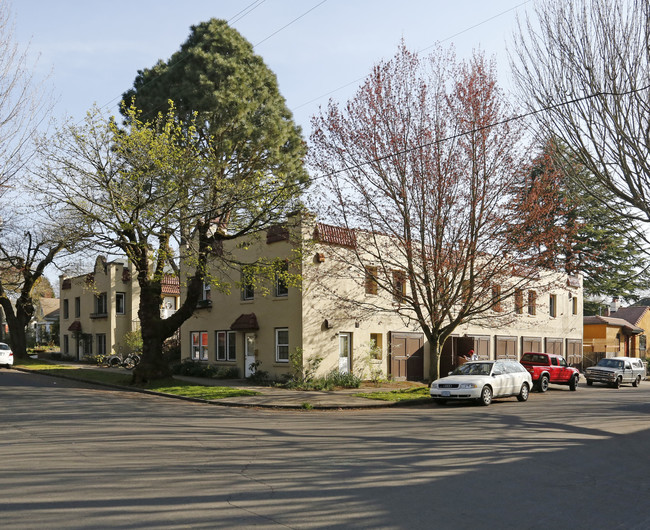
(421, 164)
(587, 64)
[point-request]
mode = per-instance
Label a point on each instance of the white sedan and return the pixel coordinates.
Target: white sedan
(6, 355)
(482, 381)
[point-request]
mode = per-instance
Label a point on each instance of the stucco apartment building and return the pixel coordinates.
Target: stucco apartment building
(100, 307)
(261, 324)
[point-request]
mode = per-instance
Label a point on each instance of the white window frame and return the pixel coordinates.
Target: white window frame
(281, 347)
(199, 351)
(226, 345)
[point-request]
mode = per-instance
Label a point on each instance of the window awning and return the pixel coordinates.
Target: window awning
(75, 326)
(245, 323)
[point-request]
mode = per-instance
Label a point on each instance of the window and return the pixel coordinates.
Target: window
(552, 305)
(66, 344)
(247, 285)
(519, 301)
(226, 345)
(206, 293)
(371, 280)
(101, 306)
(376, 346)
(574, 305)
(399, 286)
(77, 307)
(199, 345)
(120, 299)
(496, 298)
(281, 288)
(282, 345)
(532, 303)
(101, 344)
(66, 308)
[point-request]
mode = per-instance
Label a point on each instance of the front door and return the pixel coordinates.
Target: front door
(345, 347)
(249, 354)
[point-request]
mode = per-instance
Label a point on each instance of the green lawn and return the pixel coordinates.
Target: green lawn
(418, 393)
(167, 386)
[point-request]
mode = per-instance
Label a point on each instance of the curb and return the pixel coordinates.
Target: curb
(222, 403)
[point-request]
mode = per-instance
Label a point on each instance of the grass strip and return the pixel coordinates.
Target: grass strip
(419, 393)
(165, 386)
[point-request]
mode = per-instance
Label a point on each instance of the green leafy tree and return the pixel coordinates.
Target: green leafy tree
(177, 181)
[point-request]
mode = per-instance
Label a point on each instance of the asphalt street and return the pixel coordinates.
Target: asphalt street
(78, 456)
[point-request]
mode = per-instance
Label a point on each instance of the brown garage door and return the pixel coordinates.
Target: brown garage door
(407, 356)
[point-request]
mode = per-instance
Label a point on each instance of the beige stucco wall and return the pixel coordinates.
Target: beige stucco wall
(114, 326)
(272, 312)
(319, 313)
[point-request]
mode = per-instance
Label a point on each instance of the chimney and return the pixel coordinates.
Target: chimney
(615, 305)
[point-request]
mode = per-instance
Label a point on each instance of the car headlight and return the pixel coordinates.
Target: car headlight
(434, 385)
(467, 385)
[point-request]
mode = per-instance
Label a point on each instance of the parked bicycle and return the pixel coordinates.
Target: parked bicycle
(129, 362)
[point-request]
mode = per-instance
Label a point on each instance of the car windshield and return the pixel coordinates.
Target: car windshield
(610, 363)
(473, 369)
(4, 347)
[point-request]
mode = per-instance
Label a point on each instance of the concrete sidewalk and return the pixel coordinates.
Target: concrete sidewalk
(269, 397)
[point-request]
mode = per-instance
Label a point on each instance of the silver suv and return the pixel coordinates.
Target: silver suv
(615, 371)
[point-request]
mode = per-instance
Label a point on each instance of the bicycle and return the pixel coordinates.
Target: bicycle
(129, 362)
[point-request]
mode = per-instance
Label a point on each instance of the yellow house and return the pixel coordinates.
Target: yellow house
(640, 317)
(609, 336)
(267, 324)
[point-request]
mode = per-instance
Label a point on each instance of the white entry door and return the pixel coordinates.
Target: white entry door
(345, 347)
(249, 357)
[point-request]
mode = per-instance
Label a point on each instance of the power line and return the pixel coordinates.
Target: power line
(484, 127)
(289, 24)
(419, 51)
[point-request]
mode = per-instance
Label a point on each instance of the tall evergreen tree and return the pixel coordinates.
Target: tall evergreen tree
(584, 229)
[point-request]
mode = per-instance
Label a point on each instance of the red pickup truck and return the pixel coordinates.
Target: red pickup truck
(547, 368)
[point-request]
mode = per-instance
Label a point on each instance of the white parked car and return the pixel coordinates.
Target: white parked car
(482, 381)
(6, 355)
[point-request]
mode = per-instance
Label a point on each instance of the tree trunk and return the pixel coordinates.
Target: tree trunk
(153, 364)
(17, 322)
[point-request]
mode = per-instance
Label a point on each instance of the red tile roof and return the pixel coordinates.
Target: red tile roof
(335, 235)
(170, 285)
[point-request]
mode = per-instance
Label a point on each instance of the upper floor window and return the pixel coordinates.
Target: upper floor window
(66, 308)
(574, 305)
(77, 307)
(532, 303)
(206, 293)
(101, 304)
(552, 305)
(281, 287)
(247, 284)
(399, 286)
(519, 301)
(371, 280)
(496, 298)
(120, 303)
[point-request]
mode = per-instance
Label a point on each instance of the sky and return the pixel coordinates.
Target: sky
(91, 49)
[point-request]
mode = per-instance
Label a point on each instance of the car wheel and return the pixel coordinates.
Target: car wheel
(637, 381)
(523, 393)
(573, 384)
(617, 383)
(543, 384)
(486, 396)
(589, 382)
